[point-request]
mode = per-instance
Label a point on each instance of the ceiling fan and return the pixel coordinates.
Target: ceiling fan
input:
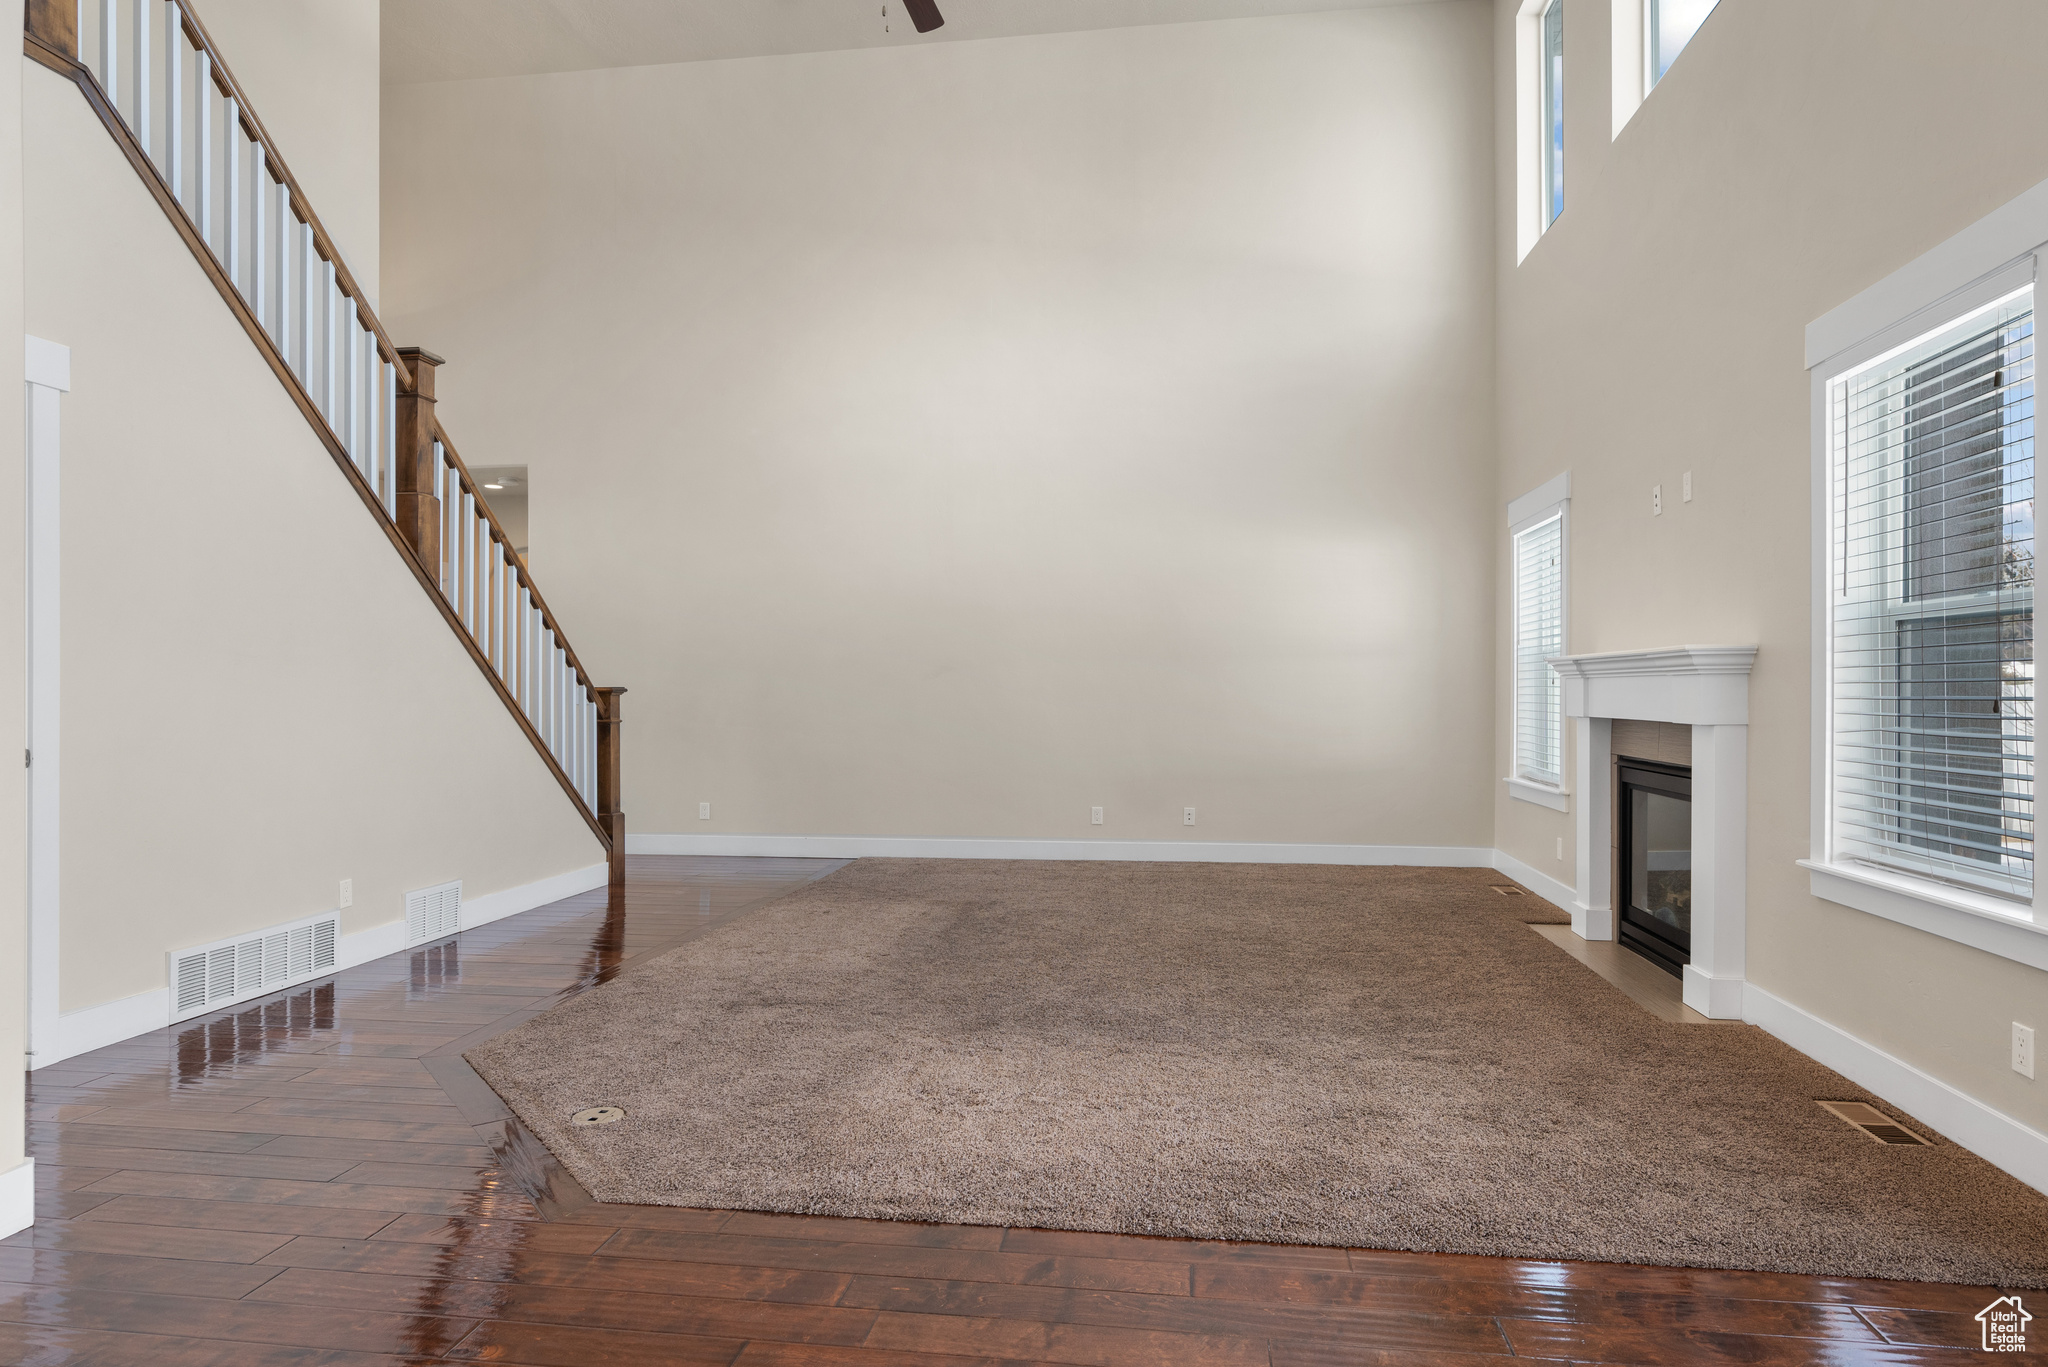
(924, 14)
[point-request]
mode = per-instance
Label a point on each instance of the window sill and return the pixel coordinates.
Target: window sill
(2002, 928)
(1542, 794)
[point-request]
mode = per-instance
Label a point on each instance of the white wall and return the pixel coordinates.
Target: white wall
(943, 440)
(258, 698)
(311, 71)
(1795, 155)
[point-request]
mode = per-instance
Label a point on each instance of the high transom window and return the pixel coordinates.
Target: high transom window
(1932, 605)
(1670, 25)
(1550, 81)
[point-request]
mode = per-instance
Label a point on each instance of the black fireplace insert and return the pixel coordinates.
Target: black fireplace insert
(1656, 862)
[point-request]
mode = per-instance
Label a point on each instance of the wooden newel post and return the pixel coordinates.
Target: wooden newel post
(608, 813)
(419, 510)
(53, 24)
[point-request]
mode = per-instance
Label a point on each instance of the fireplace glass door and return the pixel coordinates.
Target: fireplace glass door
(1656, 862)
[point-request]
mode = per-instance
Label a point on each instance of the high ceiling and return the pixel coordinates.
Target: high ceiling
(452, 40)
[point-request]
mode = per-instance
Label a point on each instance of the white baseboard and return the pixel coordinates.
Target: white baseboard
(18, 1197)
(496, 906)
(1149, 851)
(361, 946)
(81, 1032)
(2000, 1140)
(96, 1027)
(1559, 895)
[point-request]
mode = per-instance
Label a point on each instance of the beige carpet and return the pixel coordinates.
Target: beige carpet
(1381, 1058)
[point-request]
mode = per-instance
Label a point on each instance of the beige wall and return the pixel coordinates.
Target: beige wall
(1795, 155)
(13, 622)
(310, 68)
(259, 700)
(944, 440)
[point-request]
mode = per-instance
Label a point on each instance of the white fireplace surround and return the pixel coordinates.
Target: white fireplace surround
(1706, 688)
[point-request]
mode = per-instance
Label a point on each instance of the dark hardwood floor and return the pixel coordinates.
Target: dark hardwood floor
(318, 1179)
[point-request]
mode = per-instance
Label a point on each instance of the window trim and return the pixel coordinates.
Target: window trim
(1985, 262)
(1551, 499)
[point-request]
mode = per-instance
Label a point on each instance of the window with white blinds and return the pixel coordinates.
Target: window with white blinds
(1539, 635)
(1932, 605)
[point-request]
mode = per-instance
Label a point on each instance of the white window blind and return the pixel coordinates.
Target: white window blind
(1539, 635)
(1932, 597)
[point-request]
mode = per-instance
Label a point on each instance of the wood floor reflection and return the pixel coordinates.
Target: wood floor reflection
(318, 1179)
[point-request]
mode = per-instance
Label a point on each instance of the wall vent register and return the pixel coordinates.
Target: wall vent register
(229, 971)
(431, 913)
(1873, 1122)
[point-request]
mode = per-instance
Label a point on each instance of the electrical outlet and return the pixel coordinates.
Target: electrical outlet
(1095, 816)
(1656, 500)
(1560, 847)
(703, 811)
(1187, 816)
(2023, 1049)
(1685, 488)
(347, 896)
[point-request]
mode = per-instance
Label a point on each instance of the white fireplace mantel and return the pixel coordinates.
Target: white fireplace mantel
(1706, 688)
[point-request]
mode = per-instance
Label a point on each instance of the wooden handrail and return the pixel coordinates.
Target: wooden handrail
(51, 39)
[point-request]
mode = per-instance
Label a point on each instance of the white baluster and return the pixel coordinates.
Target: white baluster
(590, 750)
(486, 574)
(287, 285)
(488, 584)
(537, 629)
(390, 437)
(373, 424)
(174, 103)
(231, 199)
(309, 275)
(469, 561)
(553, 731)
(110, 52)
(501, 607)
(143, 124)
(351, 381)
(445, 484)
(202, 142)
(498, 568)
(462, 557)
(259, 235)
(373, 419)
(526, 652)
(494, 600)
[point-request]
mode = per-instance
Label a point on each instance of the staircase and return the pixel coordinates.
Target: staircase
(150, 71)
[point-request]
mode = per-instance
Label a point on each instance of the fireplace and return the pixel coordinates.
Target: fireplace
(1704, 689)
(1654, 824)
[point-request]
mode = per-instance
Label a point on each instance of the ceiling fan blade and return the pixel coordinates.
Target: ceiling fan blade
(924, 14)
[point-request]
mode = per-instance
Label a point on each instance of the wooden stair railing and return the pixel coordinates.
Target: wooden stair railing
(151, 72)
